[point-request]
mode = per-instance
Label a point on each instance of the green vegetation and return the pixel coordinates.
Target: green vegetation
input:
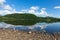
(21, 16)
(26, 19)
(20, 19)
(48, 19)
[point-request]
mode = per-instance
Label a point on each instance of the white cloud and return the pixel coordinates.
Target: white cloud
(7, 12)
(57, 7)
(43, 12)
(2, 1)
(31, 11)
(43, 9)
(34, 8)
(8, 7)
(4, 12)
(14, 10)
(24, 11)
(1, 11)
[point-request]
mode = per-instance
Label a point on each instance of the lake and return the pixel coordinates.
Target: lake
(41, 26)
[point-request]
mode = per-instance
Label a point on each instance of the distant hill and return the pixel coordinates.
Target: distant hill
(27, 17)
(20, 19)
(21, 16)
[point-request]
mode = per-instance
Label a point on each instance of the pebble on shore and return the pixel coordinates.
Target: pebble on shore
(29, 32)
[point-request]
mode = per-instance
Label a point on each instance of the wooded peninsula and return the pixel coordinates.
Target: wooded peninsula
(25, 18)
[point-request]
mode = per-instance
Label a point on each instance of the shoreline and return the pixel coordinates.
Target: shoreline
(7, 34)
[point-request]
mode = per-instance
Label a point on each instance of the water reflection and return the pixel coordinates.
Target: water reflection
(53, 27)
(22, 22)
(48, 27)
(37, 26)
(4, 25)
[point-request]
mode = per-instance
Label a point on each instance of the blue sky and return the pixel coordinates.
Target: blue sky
(37, 7)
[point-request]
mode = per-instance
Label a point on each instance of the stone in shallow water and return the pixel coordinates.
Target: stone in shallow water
(29, 32)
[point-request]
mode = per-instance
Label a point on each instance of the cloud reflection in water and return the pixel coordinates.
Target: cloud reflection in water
(38, 26)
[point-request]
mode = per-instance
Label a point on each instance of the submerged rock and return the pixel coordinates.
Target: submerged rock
(29, 32)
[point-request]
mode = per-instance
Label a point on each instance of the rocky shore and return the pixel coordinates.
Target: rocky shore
(8, 34)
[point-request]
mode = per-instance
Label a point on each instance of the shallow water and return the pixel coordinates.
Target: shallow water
(48, 27)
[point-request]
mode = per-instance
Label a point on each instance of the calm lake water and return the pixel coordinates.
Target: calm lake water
(48, 27)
